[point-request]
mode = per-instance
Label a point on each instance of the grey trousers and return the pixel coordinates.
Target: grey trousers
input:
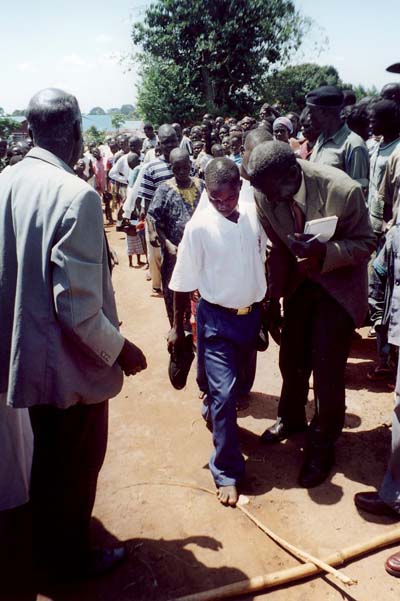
(390, 487)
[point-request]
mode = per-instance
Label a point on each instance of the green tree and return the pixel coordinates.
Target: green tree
(8, 126)
(97, 110)
(165, 94)
(362, 91)
(127, 109)
(290, 85)
(223, 48)
(18, 113)
(92, 134)
(117, 120)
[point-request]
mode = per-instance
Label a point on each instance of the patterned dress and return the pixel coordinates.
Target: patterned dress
(171, 209)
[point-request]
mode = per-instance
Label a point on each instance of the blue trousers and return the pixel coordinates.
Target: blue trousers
(225, 345)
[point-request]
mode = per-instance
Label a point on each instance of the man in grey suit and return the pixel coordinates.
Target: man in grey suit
(61, 352)
(324, 291)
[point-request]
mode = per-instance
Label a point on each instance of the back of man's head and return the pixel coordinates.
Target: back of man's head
(54, 121)
(269, 160)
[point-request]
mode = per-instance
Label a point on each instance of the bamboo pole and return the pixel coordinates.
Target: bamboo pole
(299, 553)
(306, 570)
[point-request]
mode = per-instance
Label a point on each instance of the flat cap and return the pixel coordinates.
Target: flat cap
(329, 96)
(395, 68)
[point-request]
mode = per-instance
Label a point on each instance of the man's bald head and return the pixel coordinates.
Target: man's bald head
(54, 121)
(391, 91)
(135, 144)
(257, 136)
(253, 138)
(168, 139)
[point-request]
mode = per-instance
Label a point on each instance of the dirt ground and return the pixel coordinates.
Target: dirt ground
(180, 540)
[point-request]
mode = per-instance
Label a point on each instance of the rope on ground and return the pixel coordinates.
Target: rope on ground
(298, 553)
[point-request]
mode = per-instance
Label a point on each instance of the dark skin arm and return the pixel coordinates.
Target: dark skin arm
(177, 334)
(168, 245)
(131, 359)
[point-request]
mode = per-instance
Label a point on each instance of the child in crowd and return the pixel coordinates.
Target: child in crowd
(226, 144)
(79, 169)
(236, 148)
(134, 241)
(230, 277)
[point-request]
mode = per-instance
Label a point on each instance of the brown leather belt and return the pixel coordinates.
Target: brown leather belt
(240, 311)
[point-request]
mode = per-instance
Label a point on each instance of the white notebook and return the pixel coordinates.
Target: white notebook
(323, 228)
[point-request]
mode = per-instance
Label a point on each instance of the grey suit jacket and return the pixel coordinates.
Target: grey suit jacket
(329, 191)
(58, 321)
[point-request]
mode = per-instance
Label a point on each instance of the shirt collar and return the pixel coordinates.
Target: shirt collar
(45, 155)
(339, 136)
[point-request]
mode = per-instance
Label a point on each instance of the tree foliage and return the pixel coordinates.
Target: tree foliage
(92, 134)
(97, 110)
(18, 113)
(8, 126)
(117, 120)
(223, 48)
(290, 85)
(362, 91)
(165, 94)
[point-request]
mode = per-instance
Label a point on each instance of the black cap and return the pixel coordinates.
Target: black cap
(395, 68)
(328, 96)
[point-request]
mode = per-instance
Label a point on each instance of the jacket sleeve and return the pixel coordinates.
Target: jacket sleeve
(354, 239)
(78, 269)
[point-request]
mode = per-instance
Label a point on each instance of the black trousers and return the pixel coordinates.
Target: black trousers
(69, 450)
(316, 337)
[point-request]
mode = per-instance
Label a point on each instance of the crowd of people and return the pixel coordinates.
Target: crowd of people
(280, 225)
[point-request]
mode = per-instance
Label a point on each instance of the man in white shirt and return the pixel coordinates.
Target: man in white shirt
(222, 254)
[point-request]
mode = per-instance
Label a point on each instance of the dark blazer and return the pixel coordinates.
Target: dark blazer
(343, 275)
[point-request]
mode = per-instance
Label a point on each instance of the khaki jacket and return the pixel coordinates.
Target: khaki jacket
(343, 275)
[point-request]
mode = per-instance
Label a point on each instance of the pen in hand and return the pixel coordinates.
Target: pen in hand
(313, 238)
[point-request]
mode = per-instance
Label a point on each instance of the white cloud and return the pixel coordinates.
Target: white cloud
(103, 38)
(74, 63)
(26, 67)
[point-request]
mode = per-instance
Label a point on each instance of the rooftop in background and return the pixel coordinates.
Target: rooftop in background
(101, 122)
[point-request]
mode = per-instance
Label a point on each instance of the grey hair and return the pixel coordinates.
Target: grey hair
(268, 160)
(257, 136)
(51, 116)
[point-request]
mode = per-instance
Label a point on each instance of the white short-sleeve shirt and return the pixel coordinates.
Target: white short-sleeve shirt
(224, 260)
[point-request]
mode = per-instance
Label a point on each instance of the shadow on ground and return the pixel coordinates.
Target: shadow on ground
(155, 570)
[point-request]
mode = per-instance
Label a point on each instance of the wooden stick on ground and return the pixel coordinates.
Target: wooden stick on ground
(299, 553)
(268, 581)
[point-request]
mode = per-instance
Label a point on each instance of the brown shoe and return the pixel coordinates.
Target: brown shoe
(392, 565)
(372, 503)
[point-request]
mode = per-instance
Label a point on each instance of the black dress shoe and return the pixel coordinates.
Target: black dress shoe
(316, 468)
(372, 503)
(102, 560)
(279, 431)
(392, 565)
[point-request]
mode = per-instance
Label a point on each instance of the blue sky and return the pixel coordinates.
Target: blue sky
(78, 46)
